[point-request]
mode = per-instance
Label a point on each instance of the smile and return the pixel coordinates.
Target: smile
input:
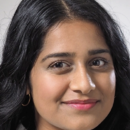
(81, 104)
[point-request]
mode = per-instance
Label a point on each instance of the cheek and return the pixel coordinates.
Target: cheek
(47, 87)
(106, 83)
(107, 86)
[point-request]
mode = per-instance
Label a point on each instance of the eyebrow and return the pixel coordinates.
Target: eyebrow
(98, 51)
(67, 54)
(63, 54)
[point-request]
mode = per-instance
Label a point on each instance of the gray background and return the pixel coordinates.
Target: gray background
(120, 9)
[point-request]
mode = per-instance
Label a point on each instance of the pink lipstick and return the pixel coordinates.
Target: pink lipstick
(81, 104)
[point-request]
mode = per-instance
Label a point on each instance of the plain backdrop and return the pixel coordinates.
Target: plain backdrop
(119, 9)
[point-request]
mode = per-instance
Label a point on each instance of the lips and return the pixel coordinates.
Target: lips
(81, 104)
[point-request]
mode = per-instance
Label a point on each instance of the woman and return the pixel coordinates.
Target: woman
(65, 66)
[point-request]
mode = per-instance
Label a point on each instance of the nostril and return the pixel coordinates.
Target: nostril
(77, 91)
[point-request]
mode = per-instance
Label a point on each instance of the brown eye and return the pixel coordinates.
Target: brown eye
(59, 65)
(98, 63)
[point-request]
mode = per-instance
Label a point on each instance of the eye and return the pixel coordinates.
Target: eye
(59, 64)
(98, 63)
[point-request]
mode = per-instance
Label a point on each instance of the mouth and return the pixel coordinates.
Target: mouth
(81, 104)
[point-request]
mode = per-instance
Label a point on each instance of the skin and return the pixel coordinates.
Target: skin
(82, 74)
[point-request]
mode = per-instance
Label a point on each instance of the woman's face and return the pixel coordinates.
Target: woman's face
(73, 79)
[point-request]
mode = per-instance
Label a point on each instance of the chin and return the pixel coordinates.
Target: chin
(80, 126)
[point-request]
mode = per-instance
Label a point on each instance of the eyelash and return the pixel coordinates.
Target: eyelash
(105, 62)
(52, 66)
(60, 62)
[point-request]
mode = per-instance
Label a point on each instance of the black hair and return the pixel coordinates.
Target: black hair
(25, 38)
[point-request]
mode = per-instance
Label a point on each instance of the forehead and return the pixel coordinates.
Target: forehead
(70, 35)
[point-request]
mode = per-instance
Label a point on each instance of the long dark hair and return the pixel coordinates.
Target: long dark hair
(24, 41)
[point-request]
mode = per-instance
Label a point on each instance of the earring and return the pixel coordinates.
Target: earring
(28, 100)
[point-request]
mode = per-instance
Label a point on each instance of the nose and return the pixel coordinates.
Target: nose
(81, 81)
